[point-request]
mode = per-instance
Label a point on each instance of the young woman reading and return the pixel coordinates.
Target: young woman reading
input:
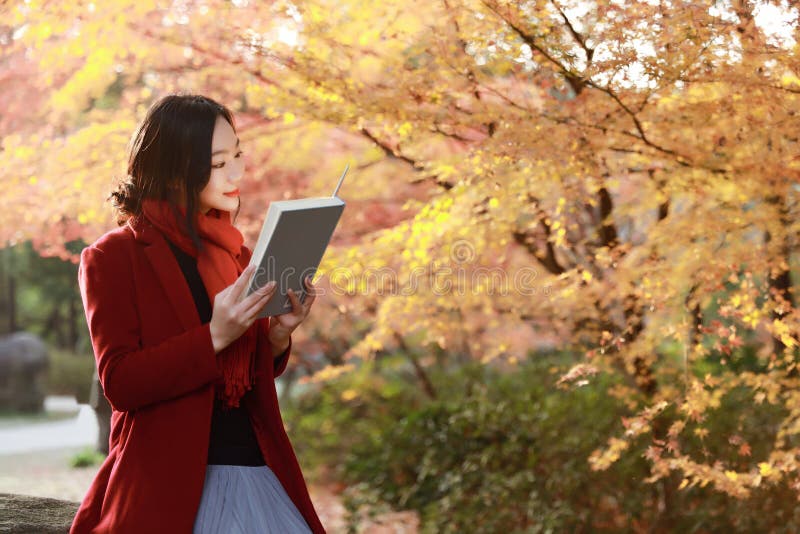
(197, 441)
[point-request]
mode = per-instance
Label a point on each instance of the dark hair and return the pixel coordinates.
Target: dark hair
(169, 157)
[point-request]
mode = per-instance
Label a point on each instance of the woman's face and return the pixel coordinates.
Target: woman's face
(227, 166)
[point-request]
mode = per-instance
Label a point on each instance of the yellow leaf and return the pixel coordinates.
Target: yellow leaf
(765, 469)
(316, 14)
(288, 117)
(732, 475)
(751, 318)
(779, 327)
(790, 79)
(405, 129)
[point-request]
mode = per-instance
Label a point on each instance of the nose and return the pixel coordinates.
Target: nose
(235, 171)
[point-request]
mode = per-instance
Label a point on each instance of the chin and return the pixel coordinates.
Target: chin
(228, 204)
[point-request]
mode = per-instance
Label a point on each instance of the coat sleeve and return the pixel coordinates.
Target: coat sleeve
(280, 361)
(134, 376)
(265, 350)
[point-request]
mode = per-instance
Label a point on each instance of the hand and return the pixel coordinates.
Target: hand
(231, 317)
(282, 326)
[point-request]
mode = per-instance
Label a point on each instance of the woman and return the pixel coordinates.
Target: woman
(197, 442)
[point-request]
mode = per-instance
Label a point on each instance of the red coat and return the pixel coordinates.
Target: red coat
(157, 364)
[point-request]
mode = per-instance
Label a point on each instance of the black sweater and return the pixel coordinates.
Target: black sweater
(232, 440)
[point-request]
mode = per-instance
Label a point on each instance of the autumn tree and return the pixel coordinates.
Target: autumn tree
(618, 178)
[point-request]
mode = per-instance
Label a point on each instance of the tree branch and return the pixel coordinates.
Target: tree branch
(395, 154)
(575, 80)
(548, 260)
(575, 35)
(427, 385)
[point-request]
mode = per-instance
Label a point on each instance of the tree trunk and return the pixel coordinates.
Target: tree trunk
(780, 287)
(8, 293)
(13, 325)
(664, 491)
(692, 303)
(427, 385)
(52, 323)
(74, 318)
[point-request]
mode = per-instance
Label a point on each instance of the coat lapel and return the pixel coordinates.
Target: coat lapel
(167, 271)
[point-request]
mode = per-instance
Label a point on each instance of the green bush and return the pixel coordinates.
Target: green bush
(507, 452)
(87, 458)
(70, 374)
(324, 425)
(494, 452)
(498, 452)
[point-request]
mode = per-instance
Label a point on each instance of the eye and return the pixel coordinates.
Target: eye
(222, 163)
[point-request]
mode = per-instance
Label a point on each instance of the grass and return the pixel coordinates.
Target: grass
(87, 458)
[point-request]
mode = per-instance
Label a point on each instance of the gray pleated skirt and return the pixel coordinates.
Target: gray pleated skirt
(241, 499)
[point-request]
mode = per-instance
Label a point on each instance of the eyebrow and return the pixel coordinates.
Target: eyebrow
(224, 149)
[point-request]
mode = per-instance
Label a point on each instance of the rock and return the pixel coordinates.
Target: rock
(23, 514)
(23, 364)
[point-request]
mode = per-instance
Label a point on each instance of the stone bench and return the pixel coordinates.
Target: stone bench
(24, 514)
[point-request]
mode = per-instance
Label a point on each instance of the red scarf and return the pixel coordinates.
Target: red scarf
(218, 264)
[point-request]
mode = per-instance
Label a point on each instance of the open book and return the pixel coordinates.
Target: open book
(291, 244)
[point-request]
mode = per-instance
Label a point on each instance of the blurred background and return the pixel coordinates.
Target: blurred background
(562, 296)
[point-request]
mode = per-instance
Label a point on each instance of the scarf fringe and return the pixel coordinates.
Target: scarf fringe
(237, 364)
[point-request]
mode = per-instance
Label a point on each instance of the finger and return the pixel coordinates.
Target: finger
(307, 304)
(297, 308)
(311, 295)
(259, 295)
(254, 305)
(310, 288)
(241, 282)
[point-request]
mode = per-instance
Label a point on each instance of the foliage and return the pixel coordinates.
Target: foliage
(87, 458)
(496, 459)
(636, 161)
(506, 452)
(70, 374)
(498, 452)
(46, 298)
(338, 415)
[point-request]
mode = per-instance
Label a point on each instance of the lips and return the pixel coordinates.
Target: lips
(234, 193)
